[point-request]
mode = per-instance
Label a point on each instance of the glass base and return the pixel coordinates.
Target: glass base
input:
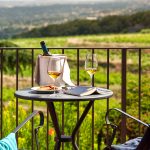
(56, 94)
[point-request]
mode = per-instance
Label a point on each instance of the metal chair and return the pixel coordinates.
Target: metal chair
(9, 142)
(140, 143)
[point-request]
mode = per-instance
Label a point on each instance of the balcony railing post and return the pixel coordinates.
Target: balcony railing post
(139, 92)
(17, 77)
(93, 119)
(78, 82)
(123, 96)
(107, 102)
(63, 112)
(1, 94)
(108, 55)
(32, 104)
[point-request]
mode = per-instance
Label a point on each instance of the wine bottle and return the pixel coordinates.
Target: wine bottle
(44, 48)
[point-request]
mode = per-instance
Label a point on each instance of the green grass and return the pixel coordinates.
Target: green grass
(35, 42)
(135, 38)
(121, 38)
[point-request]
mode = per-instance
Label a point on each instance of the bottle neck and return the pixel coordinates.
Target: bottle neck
(45, 50)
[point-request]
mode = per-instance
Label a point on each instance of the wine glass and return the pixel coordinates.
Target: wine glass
(91, 65)
(54, 69)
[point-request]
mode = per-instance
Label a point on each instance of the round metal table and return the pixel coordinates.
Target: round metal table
(28, 94)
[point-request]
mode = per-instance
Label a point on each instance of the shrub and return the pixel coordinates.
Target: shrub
(145, 31)
(9, 58)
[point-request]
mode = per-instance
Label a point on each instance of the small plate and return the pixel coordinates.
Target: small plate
(38, 89)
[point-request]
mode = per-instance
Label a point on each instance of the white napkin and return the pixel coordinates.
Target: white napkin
(42, 77)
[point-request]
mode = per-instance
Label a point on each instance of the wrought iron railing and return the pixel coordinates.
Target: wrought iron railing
(79, 52)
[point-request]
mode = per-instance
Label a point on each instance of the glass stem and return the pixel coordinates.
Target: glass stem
(91, 80)
(54, 88)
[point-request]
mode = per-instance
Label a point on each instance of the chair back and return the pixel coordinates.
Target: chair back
(144, 144)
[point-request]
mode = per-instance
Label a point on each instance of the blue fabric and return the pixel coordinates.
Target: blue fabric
(9, 142)
(129, 145)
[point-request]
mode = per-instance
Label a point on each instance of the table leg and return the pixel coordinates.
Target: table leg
(54, 118)
(78, 124)
(60, 138)
(57, 145)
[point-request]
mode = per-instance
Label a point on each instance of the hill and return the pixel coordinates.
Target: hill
(16, 19)
(109, 24)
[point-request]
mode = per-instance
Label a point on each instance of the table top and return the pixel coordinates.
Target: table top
(29, 94)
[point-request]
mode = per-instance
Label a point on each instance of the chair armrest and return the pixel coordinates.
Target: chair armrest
(124, 113)
(30, 117)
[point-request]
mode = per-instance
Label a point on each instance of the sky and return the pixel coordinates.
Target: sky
(45, 2)
(55, 0)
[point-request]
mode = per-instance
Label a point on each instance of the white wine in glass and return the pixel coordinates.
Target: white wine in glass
(54, 74)
(54, 69)
(91, 64)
